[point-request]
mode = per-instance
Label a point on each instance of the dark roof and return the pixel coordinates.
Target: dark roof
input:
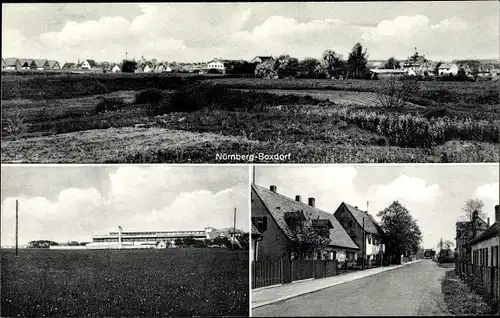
(277, 204)
(68, 65)
(492, 231)
(371, 226)
(91, 62)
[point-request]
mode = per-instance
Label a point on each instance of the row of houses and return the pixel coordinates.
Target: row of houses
(352, 231)
(29, 64)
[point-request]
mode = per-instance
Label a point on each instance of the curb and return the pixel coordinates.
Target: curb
(321, 288)
(315, 290)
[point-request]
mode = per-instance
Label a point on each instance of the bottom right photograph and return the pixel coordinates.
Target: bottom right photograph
(375, 240)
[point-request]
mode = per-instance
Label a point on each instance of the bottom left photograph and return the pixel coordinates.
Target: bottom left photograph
(117, 241)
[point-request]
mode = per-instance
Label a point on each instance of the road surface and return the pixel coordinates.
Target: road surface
(410, 290)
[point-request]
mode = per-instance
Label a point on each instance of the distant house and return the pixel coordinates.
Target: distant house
(148, 67)
(467, 231)
(375, 64)
(387, 72)
(4, 65)
(261, 59)
(69, 66)
(54, 65)
(12, 64)
(484, 248)
(27, 64)
(255, 238)
(116, 68)
(41, 64)
(276, 216)
(448, 68)
(220, 64)
(88, 64)
(360, 224)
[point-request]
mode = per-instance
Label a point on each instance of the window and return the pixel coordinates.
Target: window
(260, 223)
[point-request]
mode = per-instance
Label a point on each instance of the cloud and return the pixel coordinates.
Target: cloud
(138, 198)
(489, 192)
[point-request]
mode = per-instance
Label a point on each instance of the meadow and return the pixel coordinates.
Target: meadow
(118, 283)
(137, 118)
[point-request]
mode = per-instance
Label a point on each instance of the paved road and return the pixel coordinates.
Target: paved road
(411, 290)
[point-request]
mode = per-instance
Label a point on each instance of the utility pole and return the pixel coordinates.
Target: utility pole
(234, 229)
(17, 226)
(363, 251)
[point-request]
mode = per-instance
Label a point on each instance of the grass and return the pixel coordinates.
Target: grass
(195, 118)
(145, 283)
(461, 300)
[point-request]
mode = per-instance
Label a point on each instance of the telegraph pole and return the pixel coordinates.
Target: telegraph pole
(17, 226)
(234, 229)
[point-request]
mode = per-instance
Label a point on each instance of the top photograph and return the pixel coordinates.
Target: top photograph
(218, 83)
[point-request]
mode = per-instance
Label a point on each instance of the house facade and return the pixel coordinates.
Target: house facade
(216, 64)
(448, 68)
(255, 238)
(485, 247)
(261, 59)
(27, 64)
(467, 231)
(360, 224)
(3, 64)
(88, 64)
(54, 65)
(116, 69)
(275, 216)
(12, 64)
(40, 64)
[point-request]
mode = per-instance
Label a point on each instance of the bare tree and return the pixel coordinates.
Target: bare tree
(472, 205)
(396, 92)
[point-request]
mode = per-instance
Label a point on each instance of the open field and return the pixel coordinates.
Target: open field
(314, 120)
(146, 283)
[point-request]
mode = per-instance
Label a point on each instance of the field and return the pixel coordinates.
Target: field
(145, 283)
(313, 120)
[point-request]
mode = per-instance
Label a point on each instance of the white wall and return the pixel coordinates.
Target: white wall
(494, 241)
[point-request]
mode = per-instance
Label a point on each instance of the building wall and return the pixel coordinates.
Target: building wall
(488, 244)
(354, 230)
(274, 242)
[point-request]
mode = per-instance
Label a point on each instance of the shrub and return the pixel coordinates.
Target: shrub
(108, 104)
(149, 96)
(397, 92)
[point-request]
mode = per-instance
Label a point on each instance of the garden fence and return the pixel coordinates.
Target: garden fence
(487, 275)
(281, 271)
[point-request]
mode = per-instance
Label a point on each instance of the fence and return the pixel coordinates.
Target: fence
(487, 276)
(281, 271)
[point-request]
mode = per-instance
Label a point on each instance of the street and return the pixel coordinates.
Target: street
(411, 290)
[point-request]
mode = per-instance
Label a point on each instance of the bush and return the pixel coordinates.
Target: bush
(397, 92)
(108, 104)
(149, 96)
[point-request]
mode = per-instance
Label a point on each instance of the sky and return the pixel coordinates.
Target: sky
(76, 202)
(198, 32)
(434, 194)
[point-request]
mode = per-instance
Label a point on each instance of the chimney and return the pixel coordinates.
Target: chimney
(311, 202)
(497, 213)
(297, 198)
(272, 188)
(356, 207)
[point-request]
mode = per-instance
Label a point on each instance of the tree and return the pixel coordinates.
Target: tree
(403, 235)
(307, 239)
(446, 245)
(472, 205)
(129, 66)
(333, 63)
(179, 242)
(244, 241)
(392, 63)
(189, 241)
(436, 68)
(222, 241)
(308, 68)
(396, 92)
(286, 66)
(357, 62)
(266, 69)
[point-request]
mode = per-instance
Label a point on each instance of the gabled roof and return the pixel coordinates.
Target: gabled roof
(68, 65)
(91, 62)
(52, 63)
(371, 226)
(446, 65)
(39, 63)
(278, 204)
(25, 62)
(388, 71)
(492, 231)
(11, 61)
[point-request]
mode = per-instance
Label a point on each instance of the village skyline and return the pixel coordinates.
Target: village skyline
(106, 32)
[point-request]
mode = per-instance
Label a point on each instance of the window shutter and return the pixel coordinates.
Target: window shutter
(264, 224)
